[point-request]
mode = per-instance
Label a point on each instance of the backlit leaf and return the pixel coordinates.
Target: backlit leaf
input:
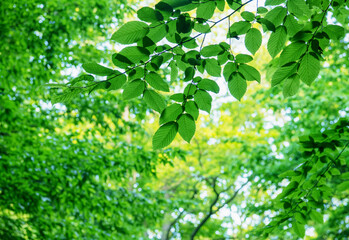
(237, 86)
(186, 127)
(165, 135)
(154, 100)
(131, 32)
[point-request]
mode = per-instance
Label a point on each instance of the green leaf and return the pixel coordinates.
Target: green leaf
(212, 67)
(266, 24)
(154, 100)
(148, 14)
(289, 173)
(309, 68)
(237, 85)
(178, 97)
(299, 229)
(66, 97)
(300, 217)
(334, 31)
(157, 82)
(203, 99)
(253, 40)
(130, 56)
(97, 69)
(345, 175)
(157, 32)
(229, 68)
(117, 80)
(335, 172)
(202, 28)
(292, 25)
(220, 5)
(316, 216)
(276, 15)
(83, 77)
(131, 32)
(133, 89)
(291, 85)
(287, 190)
(238, 28)
(190, 89)
(283, 73)
(205, 10)
(192, 109)
(165, 135)
(171, 113)
(243, 58)
(186, 127)
(343, 186)
(211, 50)
(55, 85)
(209, 85)
(292, 52)
(273, 2)
(249, 72)
(174, 71)
(261, 10)
(248, 16)
(298, 7)
(277, 41)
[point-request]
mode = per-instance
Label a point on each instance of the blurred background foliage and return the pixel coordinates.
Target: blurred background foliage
(86, 170)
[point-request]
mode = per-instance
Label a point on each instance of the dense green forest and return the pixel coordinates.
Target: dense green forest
(174, 119)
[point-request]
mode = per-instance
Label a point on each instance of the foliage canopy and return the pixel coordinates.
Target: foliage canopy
(267, 166)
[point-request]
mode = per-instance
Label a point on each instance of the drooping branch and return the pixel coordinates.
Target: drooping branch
(212, 205)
